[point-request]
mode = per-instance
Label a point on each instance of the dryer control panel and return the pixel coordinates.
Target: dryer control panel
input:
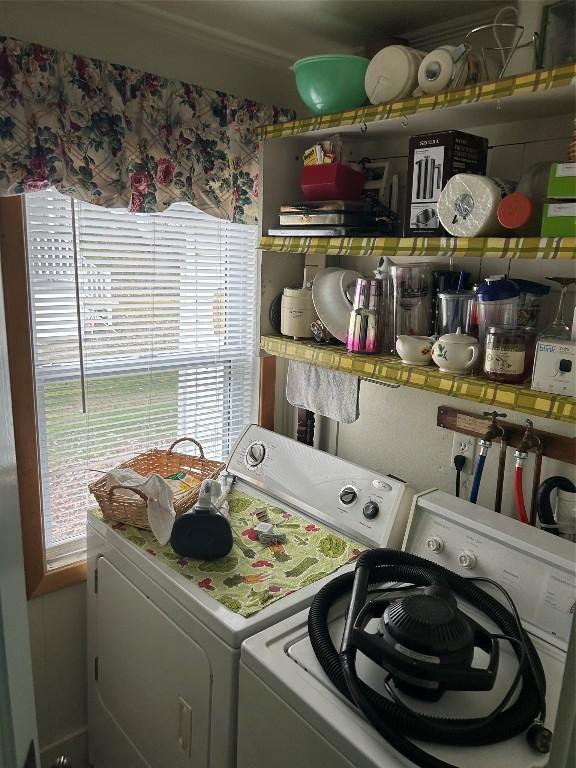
(370, 507)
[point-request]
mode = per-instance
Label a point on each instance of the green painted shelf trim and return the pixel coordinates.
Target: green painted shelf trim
(542, 80)
(390, 370)
(412, 247)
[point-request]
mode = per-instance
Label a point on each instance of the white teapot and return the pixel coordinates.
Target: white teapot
(415, 350)
(455, 352)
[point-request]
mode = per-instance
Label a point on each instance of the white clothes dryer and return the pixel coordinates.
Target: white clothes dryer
(163, 655)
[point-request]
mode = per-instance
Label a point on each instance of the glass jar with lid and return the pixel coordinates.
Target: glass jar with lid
(498, 299)
(509, 353)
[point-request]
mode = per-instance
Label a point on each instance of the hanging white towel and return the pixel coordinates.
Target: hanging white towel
(325, 392)
(159, 495)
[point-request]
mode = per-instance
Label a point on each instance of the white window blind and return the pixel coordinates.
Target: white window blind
(144, 330)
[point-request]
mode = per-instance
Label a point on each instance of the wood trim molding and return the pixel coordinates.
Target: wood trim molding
(267, 393)
(39, 579)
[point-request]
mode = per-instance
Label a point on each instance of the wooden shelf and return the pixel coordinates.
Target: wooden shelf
(511, 99)
(413, 247)
(390, 370)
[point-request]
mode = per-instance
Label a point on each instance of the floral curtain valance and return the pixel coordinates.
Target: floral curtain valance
(117, 137)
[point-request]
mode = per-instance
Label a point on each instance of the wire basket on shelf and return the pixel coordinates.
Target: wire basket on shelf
(129, 505)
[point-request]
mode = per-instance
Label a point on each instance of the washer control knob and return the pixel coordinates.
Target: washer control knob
(255, 454)
(348, 495)
(370, 510)
(467, 559)
(434, 544)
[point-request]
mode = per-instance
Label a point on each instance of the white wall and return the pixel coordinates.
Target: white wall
(119, 34)
(17, 724)
(58, 640)
(57, 620)
(397, 433)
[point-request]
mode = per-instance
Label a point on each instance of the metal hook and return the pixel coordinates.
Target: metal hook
(363, 126)
(404, 120)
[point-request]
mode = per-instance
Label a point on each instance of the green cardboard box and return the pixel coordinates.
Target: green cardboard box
(559, 219)
(562, 181)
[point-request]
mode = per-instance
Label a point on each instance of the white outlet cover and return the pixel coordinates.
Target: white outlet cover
(465, 445)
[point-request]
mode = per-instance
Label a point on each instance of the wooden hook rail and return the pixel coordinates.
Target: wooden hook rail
(553, 446)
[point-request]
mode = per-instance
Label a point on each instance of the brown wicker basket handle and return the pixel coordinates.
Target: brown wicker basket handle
(190, 439)
(127, 488)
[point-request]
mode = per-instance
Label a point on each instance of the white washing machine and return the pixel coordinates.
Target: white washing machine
(289, 708)
(163, 654)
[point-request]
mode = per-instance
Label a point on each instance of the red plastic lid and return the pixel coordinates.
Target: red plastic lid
(515, 211)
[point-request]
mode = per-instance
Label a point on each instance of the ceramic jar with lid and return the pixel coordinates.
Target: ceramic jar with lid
(297, 313)
(456, 352)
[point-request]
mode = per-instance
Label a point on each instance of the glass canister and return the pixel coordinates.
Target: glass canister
(498, 299)
(530, 302)
(509, 353)
(412, 286)
(445, 280)
(457, 309)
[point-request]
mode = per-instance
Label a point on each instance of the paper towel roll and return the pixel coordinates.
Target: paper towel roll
(437, 69)
(468, 205)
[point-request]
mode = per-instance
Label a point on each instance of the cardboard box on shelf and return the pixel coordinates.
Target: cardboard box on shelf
(555, 367)
(433, 158)
(562, 181)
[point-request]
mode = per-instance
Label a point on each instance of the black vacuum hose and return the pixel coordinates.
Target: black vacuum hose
(395, 722)
(543, 504)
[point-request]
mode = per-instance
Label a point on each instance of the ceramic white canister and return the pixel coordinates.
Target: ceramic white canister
(456, 352)
(415, 350)
(297, 313)
(393, 73)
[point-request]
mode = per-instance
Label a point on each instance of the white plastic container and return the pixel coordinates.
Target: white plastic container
(297, 313)
(393, 73)
(498, 301)
(468, 205)
(438, 68)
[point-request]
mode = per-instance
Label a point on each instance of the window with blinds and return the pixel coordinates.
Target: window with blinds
(144, 330)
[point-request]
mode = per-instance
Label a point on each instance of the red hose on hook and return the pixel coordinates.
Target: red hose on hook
(519, 496)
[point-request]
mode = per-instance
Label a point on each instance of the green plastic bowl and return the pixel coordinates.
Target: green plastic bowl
(331, 83)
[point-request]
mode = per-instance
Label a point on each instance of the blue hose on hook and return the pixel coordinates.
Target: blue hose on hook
(477, 478)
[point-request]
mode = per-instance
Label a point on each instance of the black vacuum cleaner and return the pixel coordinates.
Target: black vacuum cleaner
(425, 645)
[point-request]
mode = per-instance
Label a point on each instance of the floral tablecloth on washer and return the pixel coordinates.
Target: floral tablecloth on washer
(254, 575)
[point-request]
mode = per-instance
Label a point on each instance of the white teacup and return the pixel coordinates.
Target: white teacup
(415, 350)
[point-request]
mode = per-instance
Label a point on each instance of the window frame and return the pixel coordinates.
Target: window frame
(39, 579)
(14, 265)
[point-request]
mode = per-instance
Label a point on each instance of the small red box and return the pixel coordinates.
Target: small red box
(331, 181)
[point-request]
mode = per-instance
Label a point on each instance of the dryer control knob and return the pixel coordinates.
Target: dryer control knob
(255, 454)
(434, 544)
(348, 495)
(370, 510)
(467, 559)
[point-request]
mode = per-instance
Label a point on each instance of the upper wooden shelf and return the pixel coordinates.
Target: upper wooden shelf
(542, 93)
(391, 370)
(413, 247)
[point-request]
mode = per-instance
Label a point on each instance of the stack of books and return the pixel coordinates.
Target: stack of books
(327, 218)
